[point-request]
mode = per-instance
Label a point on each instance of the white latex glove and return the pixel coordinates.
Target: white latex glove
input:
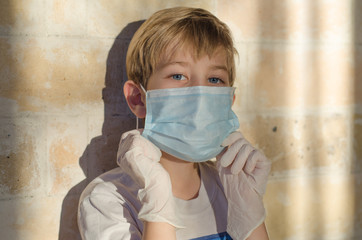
(244, 173)
(139, 156)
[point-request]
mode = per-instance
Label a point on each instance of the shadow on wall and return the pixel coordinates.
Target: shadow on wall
(12, 160)
(357, 119)
(100, 154)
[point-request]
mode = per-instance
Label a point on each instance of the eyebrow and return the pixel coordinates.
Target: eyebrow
(173, 63)
(213, 67)
(219, 67)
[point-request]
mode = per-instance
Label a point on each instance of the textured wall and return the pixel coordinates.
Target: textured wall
(299, 99)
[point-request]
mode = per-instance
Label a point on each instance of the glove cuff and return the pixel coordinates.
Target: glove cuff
(158, 204)
(241, 223)
(158, 218)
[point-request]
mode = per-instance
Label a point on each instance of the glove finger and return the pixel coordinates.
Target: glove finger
(136, 154)
(131, 133)
(232, 138)
(241, 158)
(123, 147)
(262, 167)
(231, 152)
(219, 156)
(258, 162)
(134, 139)
(150, 150)
(127, 142)
(251, 163)
(135, 163)
(258, 176)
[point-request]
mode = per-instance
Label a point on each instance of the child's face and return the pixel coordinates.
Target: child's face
(185, 70)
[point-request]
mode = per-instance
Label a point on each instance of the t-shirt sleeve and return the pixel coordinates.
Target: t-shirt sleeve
(103, 214)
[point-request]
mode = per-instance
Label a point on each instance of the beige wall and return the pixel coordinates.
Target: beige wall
(299, 99)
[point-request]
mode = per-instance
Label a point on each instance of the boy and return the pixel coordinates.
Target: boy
(181, 66)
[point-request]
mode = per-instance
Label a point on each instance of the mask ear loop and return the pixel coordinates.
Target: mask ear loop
(143, 89)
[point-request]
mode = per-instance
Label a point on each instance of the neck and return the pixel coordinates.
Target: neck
(185, 178)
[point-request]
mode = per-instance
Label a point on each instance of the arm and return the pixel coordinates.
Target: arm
(259, 233)
(103, 212)
(139, 157)
(243, 171)
(103, 215)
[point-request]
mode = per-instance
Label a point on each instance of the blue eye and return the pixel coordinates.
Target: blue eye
(178, 77)
(215, 80)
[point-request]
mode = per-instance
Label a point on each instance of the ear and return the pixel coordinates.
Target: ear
(135, 98)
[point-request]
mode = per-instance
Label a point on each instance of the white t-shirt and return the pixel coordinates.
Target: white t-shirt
(109, 207)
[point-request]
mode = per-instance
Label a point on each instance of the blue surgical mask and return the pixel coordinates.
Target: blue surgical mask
(190, 123)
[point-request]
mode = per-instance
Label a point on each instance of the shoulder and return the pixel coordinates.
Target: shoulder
(109, 200)
(114, 184)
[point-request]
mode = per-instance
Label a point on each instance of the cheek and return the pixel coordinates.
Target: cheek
(154, 82)
(163, 83)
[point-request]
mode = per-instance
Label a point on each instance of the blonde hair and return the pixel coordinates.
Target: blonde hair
(174, 28)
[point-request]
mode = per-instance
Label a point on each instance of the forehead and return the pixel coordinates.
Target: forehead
(188, 52)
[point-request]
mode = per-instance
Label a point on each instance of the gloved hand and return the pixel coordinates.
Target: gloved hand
(140, 157)
(244, 173)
